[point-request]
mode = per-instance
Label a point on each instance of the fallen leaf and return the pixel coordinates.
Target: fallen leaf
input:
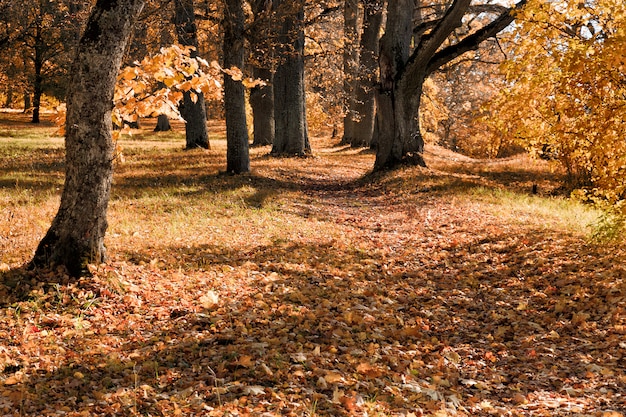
(245, 361)
(333, 377)
(209, 300)
(254, 390)
(368, 370)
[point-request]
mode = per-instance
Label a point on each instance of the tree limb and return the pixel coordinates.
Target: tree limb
(451, 20)
(473, 41)
(476, 9)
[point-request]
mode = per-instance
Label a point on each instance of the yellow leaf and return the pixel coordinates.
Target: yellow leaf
(235, 73)
(169, 82)
(253, 82)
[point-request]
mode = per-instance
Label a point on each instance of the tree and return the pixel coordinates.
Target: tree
(291, 131)
(453, 108)
(324, 73)
(237, 155)
(163, 123)
(261, 95)
(192, 108)
(46, 32)
(350, 68)
(566, 92)
(76, 236)
(403, 70)
(365, 100)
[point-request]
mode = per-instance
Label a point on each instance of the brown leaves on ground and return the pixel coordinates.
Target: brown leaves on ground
(329, 297)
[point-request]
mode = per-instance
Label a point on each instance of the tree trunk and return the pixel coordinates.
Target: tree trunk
(27, 102)
(237, 154)
(194, 113)
(402, 72)
(8, 103)
(399, 137)
(351, 73)
(291, 133)
(76, 236)
(262, 103)
(163, 124)
(261, 52)
(365, 97)
(192, 110)
(37, 86)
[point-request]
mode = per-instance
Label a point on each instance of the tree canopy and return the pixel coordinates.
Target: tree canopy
(566, 93)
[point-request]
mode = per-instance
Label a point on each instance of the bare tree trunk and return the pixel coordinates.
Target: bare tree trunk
(365, 100)
(8, 103)
(262, 103)
(351, 73)
(399, 135)
(163, 124)
(237, 153)
(76, 236)
(291, 133)
(27, 102)
(37, 84)
(261, 52)
(193, 111)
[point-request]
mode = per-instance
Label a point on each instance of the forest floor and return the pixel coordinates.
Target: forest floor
(309, 288)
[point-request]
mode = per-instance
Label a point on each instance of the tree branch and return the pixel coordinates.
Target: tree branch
(451, 20)
(476, 9)
(473, 41)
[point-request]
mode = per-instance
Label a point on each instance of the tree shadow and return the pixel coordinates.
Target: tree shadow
(347, 330)
(315, 309)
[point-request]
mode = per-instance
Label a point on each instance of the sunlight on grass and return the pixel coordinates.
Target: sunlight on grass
(548, 212)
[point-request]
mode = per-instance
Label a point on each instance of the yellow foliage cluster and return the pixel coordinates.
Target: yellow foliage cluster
(566, 95)
(156, 84)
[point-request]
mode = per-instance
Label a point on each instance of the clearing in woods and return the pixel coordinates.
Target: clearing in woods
(308, 289)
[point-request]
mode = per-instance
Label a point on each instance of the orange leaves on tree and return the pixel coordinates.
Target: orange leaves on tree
(567, 96)
(156, 84)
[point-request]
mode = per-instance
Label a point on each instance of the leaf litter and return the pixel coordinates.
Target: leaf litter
(381, 298)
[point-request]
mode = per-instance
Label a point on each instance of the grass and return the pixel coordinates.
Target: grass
(334, 291)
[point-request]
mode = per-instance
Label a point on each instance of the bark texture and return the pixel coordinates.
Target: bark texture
(237, 154)
(192, 109)
(398, 135)
(291, 132)
(262, 103)
(76, 236)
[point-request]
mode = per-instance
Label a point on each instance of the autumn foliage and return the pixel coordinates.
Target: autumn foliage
(155, 85)
(566, 98)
